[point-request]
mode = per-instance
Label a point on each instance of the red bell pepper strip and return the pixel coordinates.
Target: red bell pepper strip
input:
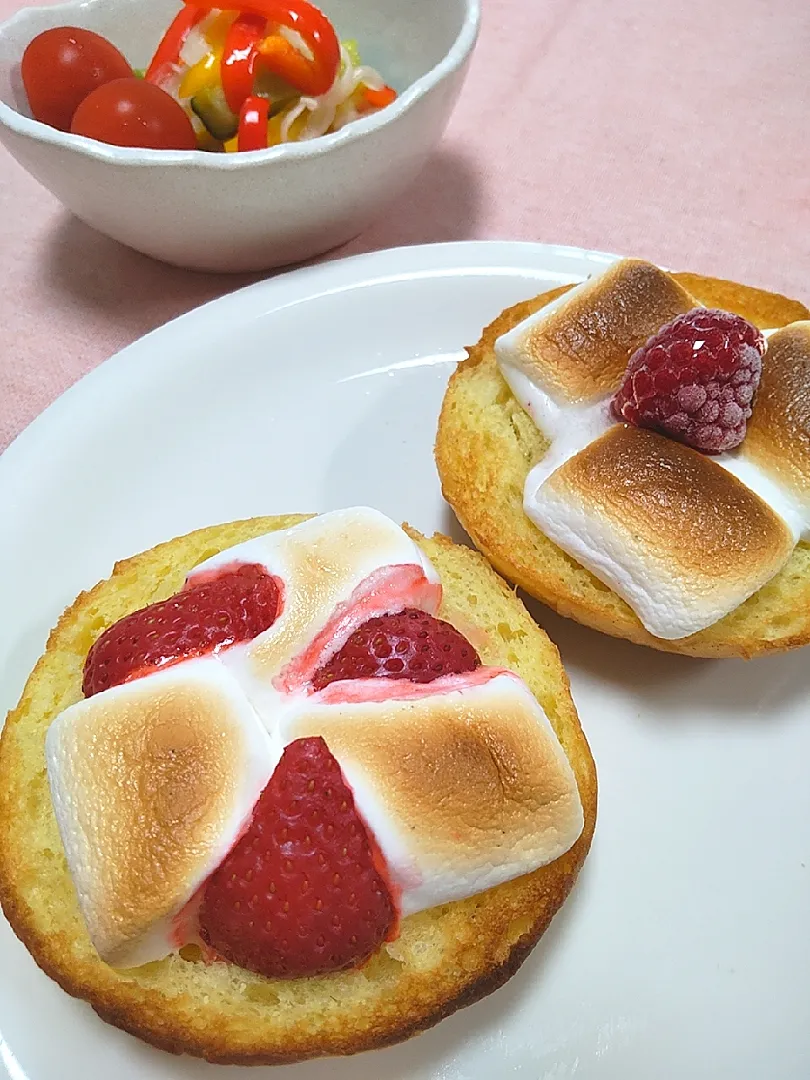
(378, 99)
(312, 77)
(238, 67)
(283, 59)
(167, 55)
(253, 117)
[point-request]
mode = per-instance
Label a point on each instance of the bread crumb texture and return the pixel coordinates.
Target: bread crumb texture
(444, 958)
(486, 445)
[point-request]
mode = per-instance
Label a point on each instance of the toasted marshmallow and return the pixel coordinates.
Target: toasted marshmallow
(576, 348)
(569, 428)
(336, 571)
(462, 789)
(777, 444)
(152, 782)
(667, 528)
(563, 365)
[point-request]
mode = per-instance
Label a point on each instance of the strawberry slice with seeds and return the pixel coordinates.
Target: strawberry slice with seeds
(303, 890)
(232, 606)
(409, 645)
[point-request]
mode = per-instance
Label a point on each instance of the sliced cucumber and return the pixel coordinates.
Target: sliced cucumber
(353, 50)
(212, 108)
(278, 92)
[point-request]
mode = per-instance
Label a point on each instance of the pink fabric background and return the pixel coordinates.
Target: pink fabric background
(672, 129)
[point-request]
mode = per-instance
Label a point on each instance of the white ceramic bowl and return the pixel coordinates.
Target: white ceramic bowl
(247, 211)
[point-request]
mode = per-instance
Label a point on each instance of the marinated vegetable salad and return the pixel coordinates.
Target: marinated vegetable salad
(271, 72)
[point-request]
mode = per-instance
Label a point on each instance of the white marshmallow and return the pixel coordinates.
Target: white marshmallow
(337, 570)
(511, 349)
(569, 428)
(152, 782)
(666, 605)
(673, 586)
(462, 782)
(462, 789)
(777, 496)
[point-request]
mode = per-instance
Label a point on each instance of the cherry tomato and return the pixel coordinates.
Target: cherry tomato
(62, 66)
(132, 112)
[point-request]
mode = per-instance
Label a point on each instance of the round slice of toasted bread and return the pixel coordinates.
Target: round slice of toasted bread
(444, 958)
(486, 445)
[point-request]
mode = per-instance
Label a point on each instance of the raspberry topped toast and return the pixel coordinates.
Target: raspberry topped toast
(293, 787)
(634, 451)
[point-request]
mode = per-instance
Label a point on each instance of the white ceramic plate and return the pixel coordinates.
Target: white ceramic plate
(684, 952)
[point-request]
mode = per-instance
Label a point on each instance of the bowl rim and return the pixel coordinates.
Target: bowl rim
(453, 59)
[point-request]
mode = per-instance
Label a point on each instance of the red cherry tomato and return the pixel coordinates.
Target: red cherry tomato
(62, 66)
(132, 112)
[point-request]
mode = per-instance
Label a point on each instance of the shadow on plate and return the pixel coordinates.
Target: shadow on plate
(452, 527)
(736, 690)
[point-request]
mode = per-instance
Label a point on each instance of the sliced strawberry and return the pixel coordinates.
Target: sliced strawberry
(409, 645)
(233, 606)
(300, 893)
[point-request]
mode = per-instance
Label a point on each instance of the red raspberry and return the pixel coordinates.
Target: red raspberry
(695, 380)
(410, 645)
(235, 605)
(300, 893)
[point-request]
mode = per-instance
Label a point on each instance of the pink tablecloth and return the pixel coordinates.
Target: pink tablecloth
(672, 129)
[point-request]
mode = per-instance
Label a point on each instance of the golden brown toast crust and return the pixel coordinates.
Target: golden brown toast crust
(444, 959)
(486, 446)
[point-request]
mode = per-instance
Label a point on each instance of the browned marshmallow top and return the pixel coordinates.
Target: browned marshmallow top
(465, 776)
(683, 538)
(151, 782)
(778, 438)
(677, 505)
(154, 781)
(579, 350)
(319, 562)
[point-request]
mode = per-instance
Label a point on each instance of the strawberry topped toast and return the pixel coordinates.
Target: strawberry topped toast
(291, 787)
(635, 452)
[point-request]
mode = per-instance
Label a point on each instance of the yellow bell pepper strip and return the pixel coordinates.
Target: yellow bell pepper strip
(252, 134)
(278, 121)
(311, 76)
(217, 29)
(164, 63)
(238, 68)
(201, 75)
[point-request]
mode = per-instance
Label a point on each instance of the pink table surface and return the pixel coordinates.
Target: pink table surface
(676, 130)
